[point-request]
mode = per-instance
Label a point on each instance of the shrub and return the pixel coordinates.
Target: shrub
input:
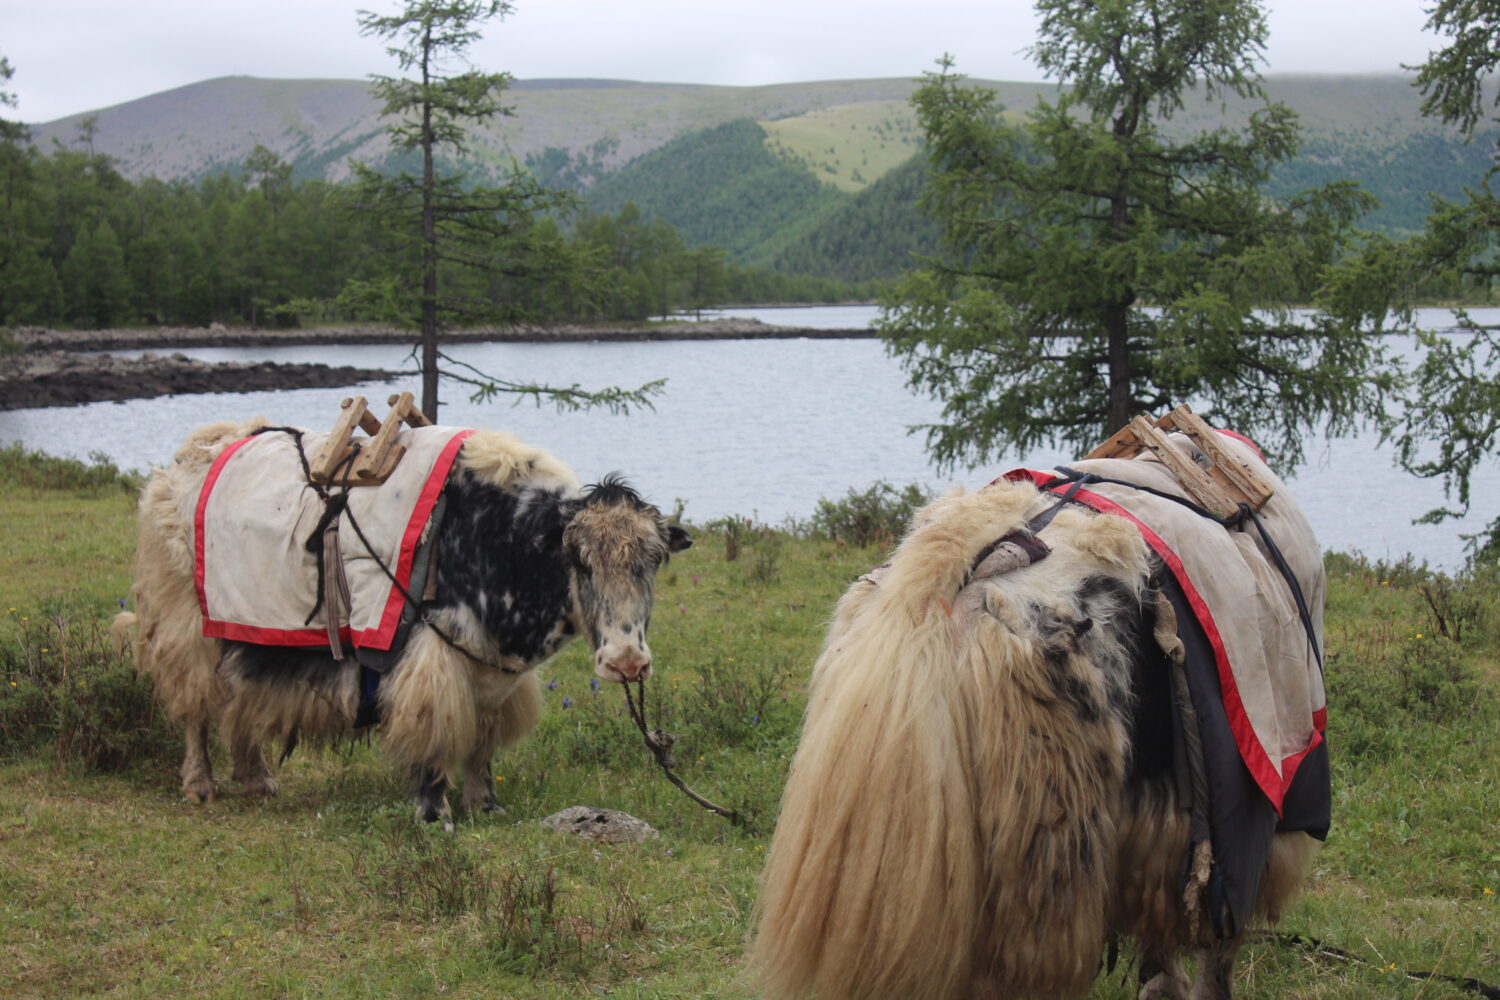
(876, 516)
(64, 687)
(38, 470)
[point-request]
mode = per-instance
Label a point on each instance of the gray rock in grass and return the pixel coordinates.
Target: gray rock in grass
(609, 826)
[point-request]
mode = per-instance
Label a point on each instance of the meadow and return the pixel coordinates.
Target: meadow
(112, 885)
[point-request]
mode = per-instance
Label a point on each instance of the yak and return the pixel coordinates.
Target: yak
(1026, 739)
(517, 559)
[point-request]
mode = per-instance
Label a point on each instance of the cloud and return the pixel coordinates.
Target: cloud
(86, 54)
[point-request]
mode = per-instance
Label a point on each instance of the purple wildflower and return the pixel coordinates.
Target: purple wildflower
(567, 703)
(594, 684)
(552, 685)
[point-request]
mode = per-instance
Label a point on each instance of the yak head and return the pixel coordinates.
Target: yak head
(614, 543)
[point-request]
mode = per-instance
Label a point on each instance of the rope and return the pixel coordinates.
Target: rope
(1466, 983)
(660, 744)
(423, 617)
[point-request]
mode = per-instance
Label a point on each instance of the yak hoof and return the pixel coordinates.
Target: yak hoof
(1165, 986)
(200, 790)
(262, 784)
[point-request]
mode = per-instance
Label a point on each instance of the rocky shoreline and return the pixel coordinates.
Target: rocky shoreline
(51, 368)
(57, 378)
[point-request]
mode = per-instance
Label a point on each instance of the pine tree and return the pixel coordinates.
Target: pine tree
(1094, 268)
(445, 235)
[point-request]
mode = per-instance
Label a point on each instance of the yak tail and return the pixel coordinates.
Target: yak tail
(122, 632)
(938, 837)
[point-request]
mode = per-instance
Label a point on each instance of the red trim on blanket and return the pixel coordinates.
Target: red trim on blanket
(379, 637)
(216, 629)
(1290, 764)
(384, 634)
(1257, 761)
(198, 543)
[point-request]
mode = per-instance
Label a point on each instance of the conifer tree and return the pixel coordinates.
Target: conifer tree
(442, 225)
(1450, 424)
(1096, 266)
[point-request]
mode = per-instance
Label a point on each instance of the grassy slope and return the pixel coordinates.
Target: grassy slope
(850, 146)
(109, 883)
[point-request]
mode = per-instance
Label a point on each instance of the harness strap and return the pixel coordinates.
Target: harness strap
(1232, 521)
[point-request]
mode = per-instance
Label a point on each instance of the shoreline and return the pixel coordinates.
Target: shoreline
(73, 367)
(34, 339)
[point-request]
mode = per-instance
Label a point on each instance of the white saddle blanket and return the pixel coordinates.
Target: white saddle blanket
(256, 580)
(1271, 681)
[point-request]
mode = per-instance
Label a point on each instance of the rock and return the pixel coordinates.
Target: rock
(608, 826)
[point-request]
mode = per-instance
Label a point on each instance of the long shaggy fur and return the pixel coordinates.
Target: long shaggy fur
(955, 822)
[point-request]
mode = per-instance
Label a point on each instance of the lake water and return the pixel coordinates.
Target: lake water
(763, 428)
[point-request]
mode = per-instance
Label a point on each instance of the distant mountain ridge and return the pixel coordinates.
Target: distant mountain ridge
(815, 177)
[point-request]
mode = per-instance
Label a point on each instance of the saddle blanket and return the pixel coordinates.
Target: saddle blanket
(256, 580)
(1268, 671)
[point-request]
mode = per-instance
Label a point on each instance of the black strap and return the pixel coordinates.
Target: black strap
(1234, 521)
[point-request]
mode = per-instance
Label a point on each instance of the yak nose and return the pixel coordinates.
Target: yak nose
(627, 665)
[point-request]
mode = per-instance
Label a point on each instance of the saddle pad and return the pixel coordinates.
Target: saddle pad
(1269, 677)
(256, 580)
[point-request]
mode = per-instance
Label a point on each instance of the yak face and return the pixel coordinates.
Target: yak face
(614, 543)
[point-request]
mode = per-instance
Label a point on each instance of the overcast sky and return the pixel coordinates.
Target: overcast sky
(72, 56)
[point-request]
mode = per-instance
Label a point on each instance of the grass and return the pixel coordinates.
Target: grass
(111, 884)
(849, 146)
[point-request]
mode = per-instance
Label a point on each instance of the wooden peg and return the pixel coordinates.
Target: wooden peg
(336, 445)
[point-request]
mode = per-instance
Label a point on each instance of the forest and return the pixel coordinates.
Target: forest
(83, 246)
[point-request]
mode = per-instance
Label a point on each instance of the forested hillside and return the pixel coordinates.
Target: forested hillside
(722, 186)
(816, 179)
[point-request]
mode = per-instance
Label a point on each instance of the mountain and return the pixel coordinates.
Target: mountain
(807, 177)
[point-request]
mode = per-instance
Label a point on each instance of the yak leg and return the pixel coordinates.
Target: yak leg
(1162, 979)
(429, 789)
(1215, 968)
(197, 772)
(250, 768)
(502, 727)
(479, 785)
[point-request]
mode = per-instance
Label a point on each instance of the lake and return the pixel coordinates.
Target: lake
(763, 428)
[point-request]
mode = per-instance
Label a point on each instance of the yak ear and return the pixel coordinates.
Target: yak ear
(677, 538)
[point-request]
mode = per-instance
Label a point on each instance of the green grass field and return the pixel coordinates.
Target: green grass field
(112, 885)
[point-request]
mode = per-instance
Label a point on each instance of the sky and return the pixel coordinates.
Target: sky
(72, 56)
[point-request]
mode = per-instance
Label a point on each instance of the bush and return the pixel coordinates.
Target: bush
(38, 470)
(64, 687)
(876, 516)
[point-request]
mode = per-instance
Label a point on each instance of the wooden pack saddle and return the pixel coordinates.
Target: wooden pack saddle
(1219, 488)
(345, 460)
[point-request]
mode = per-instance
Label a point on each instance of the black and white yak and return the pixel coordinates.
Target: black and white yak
(1020, 748)
(525, 559)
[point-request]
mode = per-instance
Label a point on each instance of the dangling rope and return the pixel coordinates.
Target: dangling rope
(660, 744)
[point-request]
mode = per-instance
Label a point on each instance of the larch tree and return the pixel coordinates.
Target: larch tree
(1100, 260)
(1450, 424)
(447, 239)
